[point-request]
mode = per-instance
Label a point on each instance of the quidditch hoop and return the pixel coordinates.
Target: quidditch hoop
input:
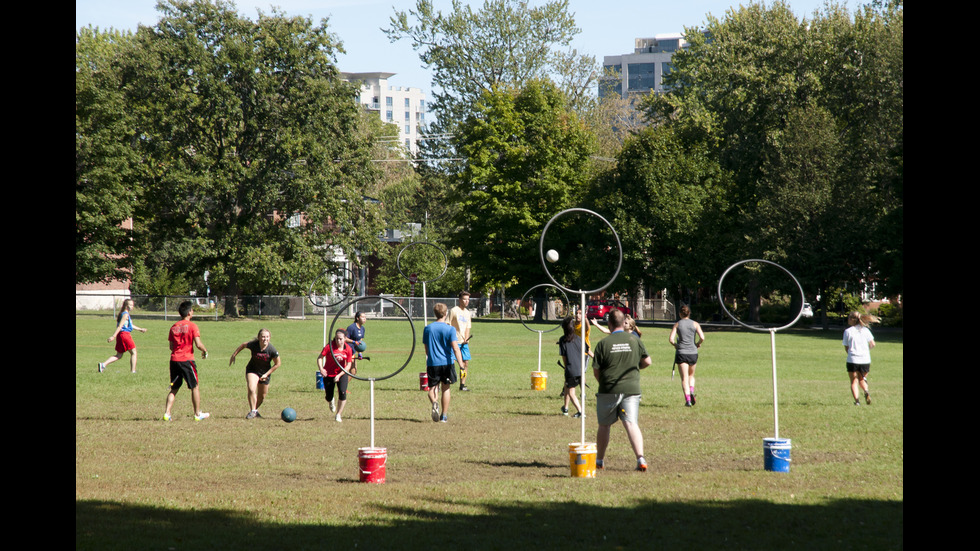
(544, 264)
(410, 354)
(346, 274)
(524, 298)
(721, 298)
(445, 260)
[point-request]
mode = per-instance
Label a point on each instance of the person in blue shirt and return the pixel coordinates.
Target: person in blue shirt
(441, 348)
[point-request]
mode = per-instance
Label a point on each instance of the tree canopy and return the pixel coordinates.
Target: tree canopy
(507, 42)
(806, 116)
(525, 161)
(105, 159)
(253, 155)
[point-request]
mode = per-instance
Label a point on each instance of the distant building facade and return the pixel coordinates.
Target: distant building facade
(641, 71)
(403, 107)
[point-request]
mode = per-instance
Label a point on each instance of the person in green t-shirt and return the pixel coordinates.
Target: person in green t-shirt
(618, 361)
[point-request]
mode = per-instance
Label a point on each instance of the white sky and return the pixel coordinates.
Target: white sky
(608, 27)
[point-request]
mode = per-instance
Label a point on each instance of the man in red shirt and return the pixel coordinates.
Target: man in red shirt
(184, 336)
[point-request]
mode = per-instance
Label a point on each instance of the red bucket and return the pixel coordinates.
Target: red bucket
(423, 381)
(371, 462)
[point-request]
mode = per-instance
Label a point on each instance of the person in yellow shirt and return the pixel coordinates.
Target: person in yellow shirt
(460, 319)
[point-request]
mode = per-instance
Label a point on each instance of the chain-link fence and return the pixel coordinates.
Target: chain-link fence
(295, 307)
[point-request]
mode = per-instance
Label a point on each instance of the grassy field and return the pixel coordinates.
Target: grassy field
(497, 475)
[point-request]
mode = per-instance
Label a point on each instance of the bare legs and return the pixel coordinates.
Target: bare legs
(571, 397)
(687, 381)
(859, 382)
(118, 356)
(632, 432)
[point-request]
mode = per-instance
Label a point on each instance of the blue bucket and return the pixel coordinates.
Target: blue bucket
(319, 381)
(776, 454)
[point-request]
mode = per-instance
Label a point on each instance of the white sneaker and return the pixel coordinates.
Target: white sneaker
(435, 412)
(101, 367)
(333, 407)
(337, 418)
(201, 416)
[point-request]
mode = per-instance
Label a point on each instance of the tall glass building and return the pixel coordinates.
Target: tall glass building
(641, 71)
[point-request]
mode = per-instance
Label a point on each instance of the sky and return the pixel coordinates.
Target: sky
(607, 28)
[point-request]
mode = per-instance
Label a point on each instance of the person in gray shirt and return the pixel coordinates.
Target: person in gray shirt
(686, 337)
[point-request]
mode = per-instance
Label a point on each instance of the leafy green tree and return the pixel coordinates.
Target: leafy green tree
(257, 163)
(664, 198)
(105, 160)
(804, 114)
(526, 155)
(506, 42)
(473, 52)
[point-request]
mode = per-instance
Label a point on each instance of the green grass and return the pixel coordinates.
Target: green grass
(497, 475)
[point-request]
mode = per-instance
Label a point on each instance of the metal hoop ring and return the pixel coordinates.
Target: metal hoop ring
(799, 287)
(445, 260)
(544, 264)
(410, 354)
(343, 270)
(522, 302)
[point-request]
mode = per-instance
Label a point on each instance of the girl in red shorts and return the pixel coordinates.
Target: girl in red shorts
(123, 336)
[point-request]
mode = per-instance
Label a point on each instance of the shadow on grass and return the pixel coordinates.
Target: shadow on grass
(746, 524)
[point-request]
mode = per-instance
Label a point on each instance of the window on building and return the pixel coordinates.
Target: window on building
(641, 76)
(389, 101)
(390, 115)
(408, 103)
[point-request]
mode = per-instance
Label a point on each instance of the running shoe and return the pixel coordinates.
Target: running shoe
(444, 418)
(598, 465)
(251, 414)
(564, 411)
(166, 416)
(867, 398)
(435, 412)
(201, 416)
(578, 415)
(337, 418)
(641, 464)
(693, 399)
(101, 367)
(688, 403)
(463, 387)
(332, 406)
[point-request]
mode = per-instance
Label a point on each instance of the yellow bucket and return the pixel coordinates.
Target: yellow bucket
(539, 380)
(581, 459)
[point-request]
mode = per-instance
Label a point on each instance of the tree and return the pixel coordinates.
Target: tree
(526, 155)
(257, 165)
(664, 198)
(506, 43)
(105, 160)
(804, 114)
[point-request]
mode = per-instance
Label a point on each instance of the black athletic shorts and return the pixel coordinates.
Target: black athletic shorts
(689, 359)
(183, 371)
(444, 374)
(863, 368)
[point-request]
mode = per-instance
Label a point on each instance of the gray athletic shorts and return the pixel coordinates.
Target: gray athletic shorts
(610, 407)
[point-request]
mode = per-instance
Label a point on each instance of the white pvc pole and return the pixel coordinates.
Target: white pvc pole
(425, 307)
(581, 398)
(539, 351)
(372, 413)
(775, 398)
